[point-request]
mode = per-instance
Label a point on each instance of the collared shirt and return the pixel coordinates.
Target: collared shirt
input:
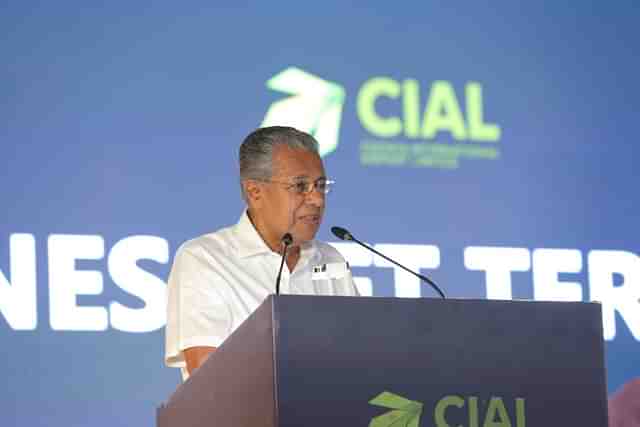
(219, 279)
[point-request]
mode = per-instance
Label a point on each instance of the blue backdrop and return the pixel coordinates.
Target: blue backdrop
(493, 145)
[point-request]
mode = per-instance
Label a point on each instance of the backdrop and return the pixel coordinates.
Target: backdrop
(492, 145)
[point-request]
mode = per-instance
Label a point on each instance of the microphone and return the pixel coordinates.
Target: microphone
(343, 234)
(286, 240)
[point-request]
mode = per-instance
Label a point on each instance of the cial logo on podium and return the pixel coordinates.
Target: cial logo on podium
(493, 412)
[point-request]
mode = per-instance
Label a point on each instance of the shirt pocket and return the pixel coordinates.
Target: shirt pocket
(332, 279)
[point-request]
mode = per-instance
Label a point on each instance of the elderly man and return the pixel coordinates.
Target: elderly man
(218, 279)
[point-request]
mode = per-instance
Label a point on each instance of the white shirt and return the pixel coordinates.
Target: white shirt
(219, 279)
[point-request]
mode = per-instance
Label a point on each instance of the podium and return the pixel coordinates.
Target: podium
(317, 361)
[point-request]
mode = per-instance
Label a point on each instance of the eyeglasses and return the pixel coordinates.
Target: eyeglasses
(303, 187)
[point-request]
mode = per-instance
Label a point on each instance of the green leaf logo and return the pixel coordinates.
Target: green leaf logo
(404, 413)
(315, 106)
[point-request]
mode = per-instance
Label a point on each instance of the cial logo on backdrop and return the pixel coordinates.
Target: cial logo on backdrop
(399, 131)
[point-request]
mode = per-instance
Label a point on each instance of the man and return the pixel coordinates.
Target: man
(218, 279)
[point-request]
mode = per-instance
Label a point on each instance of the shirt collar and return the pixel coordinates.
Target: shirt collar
(249, 242)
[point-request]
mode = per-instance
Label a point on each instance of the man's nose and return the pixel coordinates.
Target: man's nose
(316, 198)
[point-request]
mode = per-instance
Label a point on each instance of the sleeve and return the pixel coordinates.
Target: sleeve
(197, 313)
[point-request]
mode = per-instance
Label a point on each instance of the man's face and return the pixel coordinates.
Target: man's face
(281, 209)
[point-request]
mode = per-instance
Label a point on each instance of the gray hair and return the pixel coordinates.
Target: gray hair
(256, 151)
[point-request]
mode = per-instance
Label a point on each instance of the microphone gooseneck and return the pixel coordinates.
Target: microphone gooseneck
(344, 234)
(286, 241)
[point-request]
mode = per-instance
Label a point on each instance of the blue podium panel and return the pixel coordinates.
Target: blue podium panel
(345, 361)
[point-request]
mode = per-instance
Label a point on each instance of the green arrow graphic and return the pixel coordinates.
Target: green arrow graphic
(315, 106)
(405, 412)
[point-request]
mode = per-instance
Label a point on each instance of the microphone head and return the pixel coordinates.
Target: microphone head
(287, 239)
(341, 233)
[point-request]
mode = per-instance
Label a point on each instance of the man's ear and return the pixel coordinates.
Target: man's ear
(253, 191)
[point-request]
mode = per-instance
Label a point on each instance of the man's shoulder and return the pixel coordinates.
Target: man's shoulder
(328, 252)
(216, 241)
